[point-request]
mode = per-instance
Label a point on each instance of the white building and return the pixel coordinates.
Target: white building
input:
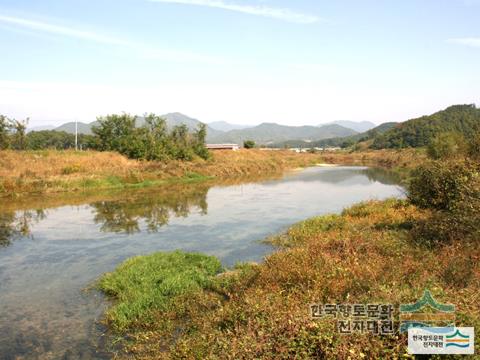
(233, 147)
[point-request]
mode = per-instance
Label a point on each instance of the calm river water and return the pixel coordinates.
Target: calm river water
(51, 253)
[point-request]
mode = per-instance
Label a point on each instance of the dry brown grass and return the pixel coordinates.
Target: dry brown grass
(388, 158)
(51, 163)
(56, 171)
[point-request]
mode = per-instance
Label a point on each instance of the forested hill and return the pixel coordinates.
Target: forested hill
(266, 133)
(339, 141)
(463, 119)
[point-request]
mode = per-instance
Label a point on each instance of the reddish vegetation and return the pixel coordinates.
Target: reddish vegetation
(363, 256)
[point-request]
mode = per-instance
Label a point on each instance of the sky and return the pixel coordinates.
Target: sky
(242, 61)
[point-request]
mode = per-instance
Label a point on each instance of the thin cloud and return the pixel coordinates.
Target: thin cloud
(276, 13)
(145, 51)
(470, 41)
(61, 30)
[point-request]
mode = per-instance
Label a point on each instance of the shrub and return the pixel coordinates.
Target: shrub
(71, 169)
(249, 144)
(441, 185)
(452, 190)
(474, 147)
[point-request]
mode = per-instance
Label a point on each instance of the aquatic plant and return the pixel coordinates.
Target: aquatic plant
(144, 284)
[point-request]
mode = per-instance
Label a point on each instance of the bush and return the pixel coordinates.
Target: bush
(249, 144)
(71, 169)
(452, 190)
(474, 148)
(441, 185)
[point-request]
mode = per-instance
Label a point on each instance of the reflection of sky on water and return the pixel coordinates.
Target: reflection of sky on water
(41, 276)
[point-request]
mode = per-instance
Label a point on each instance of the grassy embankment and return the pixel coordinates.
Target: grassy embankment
(52, 171)
(57, 171)
(365, 255)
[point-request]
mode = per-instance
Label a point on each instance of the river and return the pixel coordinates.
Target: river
(52, 251)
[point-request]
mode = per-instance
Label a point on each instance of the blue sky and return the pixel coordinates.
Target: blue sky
(242, 61)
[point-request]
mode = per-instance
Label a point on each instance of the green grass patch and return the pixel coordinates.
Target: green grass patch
(144, 284)
(114, 181)
(193, 176)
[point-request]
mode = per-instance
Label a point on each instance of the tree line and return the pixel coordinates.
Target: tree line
(116, 132)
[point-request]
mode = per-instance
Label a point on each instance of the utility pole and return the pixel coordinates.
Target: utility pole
(76, 134)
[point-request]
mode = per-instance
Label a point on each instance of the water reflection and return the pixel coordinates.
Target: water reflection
(346, 176)
(125, 212)
(15, 225)
(383, 176)
(155, 209)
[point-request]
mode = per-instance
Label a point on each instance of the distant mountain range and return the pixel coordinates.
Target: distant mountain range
(268, 133)
(225, 126)
(264, 134)
(358, 126)
(83, 128)
(339, 141)
(463, 119)
(172, 119)
(41, 128)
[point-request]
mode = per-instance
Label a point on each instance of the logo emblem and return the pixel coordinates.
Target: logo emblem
(426, 312)
(441, 340)
(458, 340)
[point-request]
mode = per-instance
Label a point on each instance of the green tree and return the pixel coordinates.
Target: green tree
(347, 143)
(5, 127)
(115, 133)
(155, 137)
(179, 144)
(199, 139)
(152, 141)
(446, 145)
(19, 134)
(249, 144)
(52, 139)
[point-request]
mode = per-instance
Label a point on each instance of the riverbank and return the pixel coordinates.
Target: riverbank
(51, 171)
(365, 255)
